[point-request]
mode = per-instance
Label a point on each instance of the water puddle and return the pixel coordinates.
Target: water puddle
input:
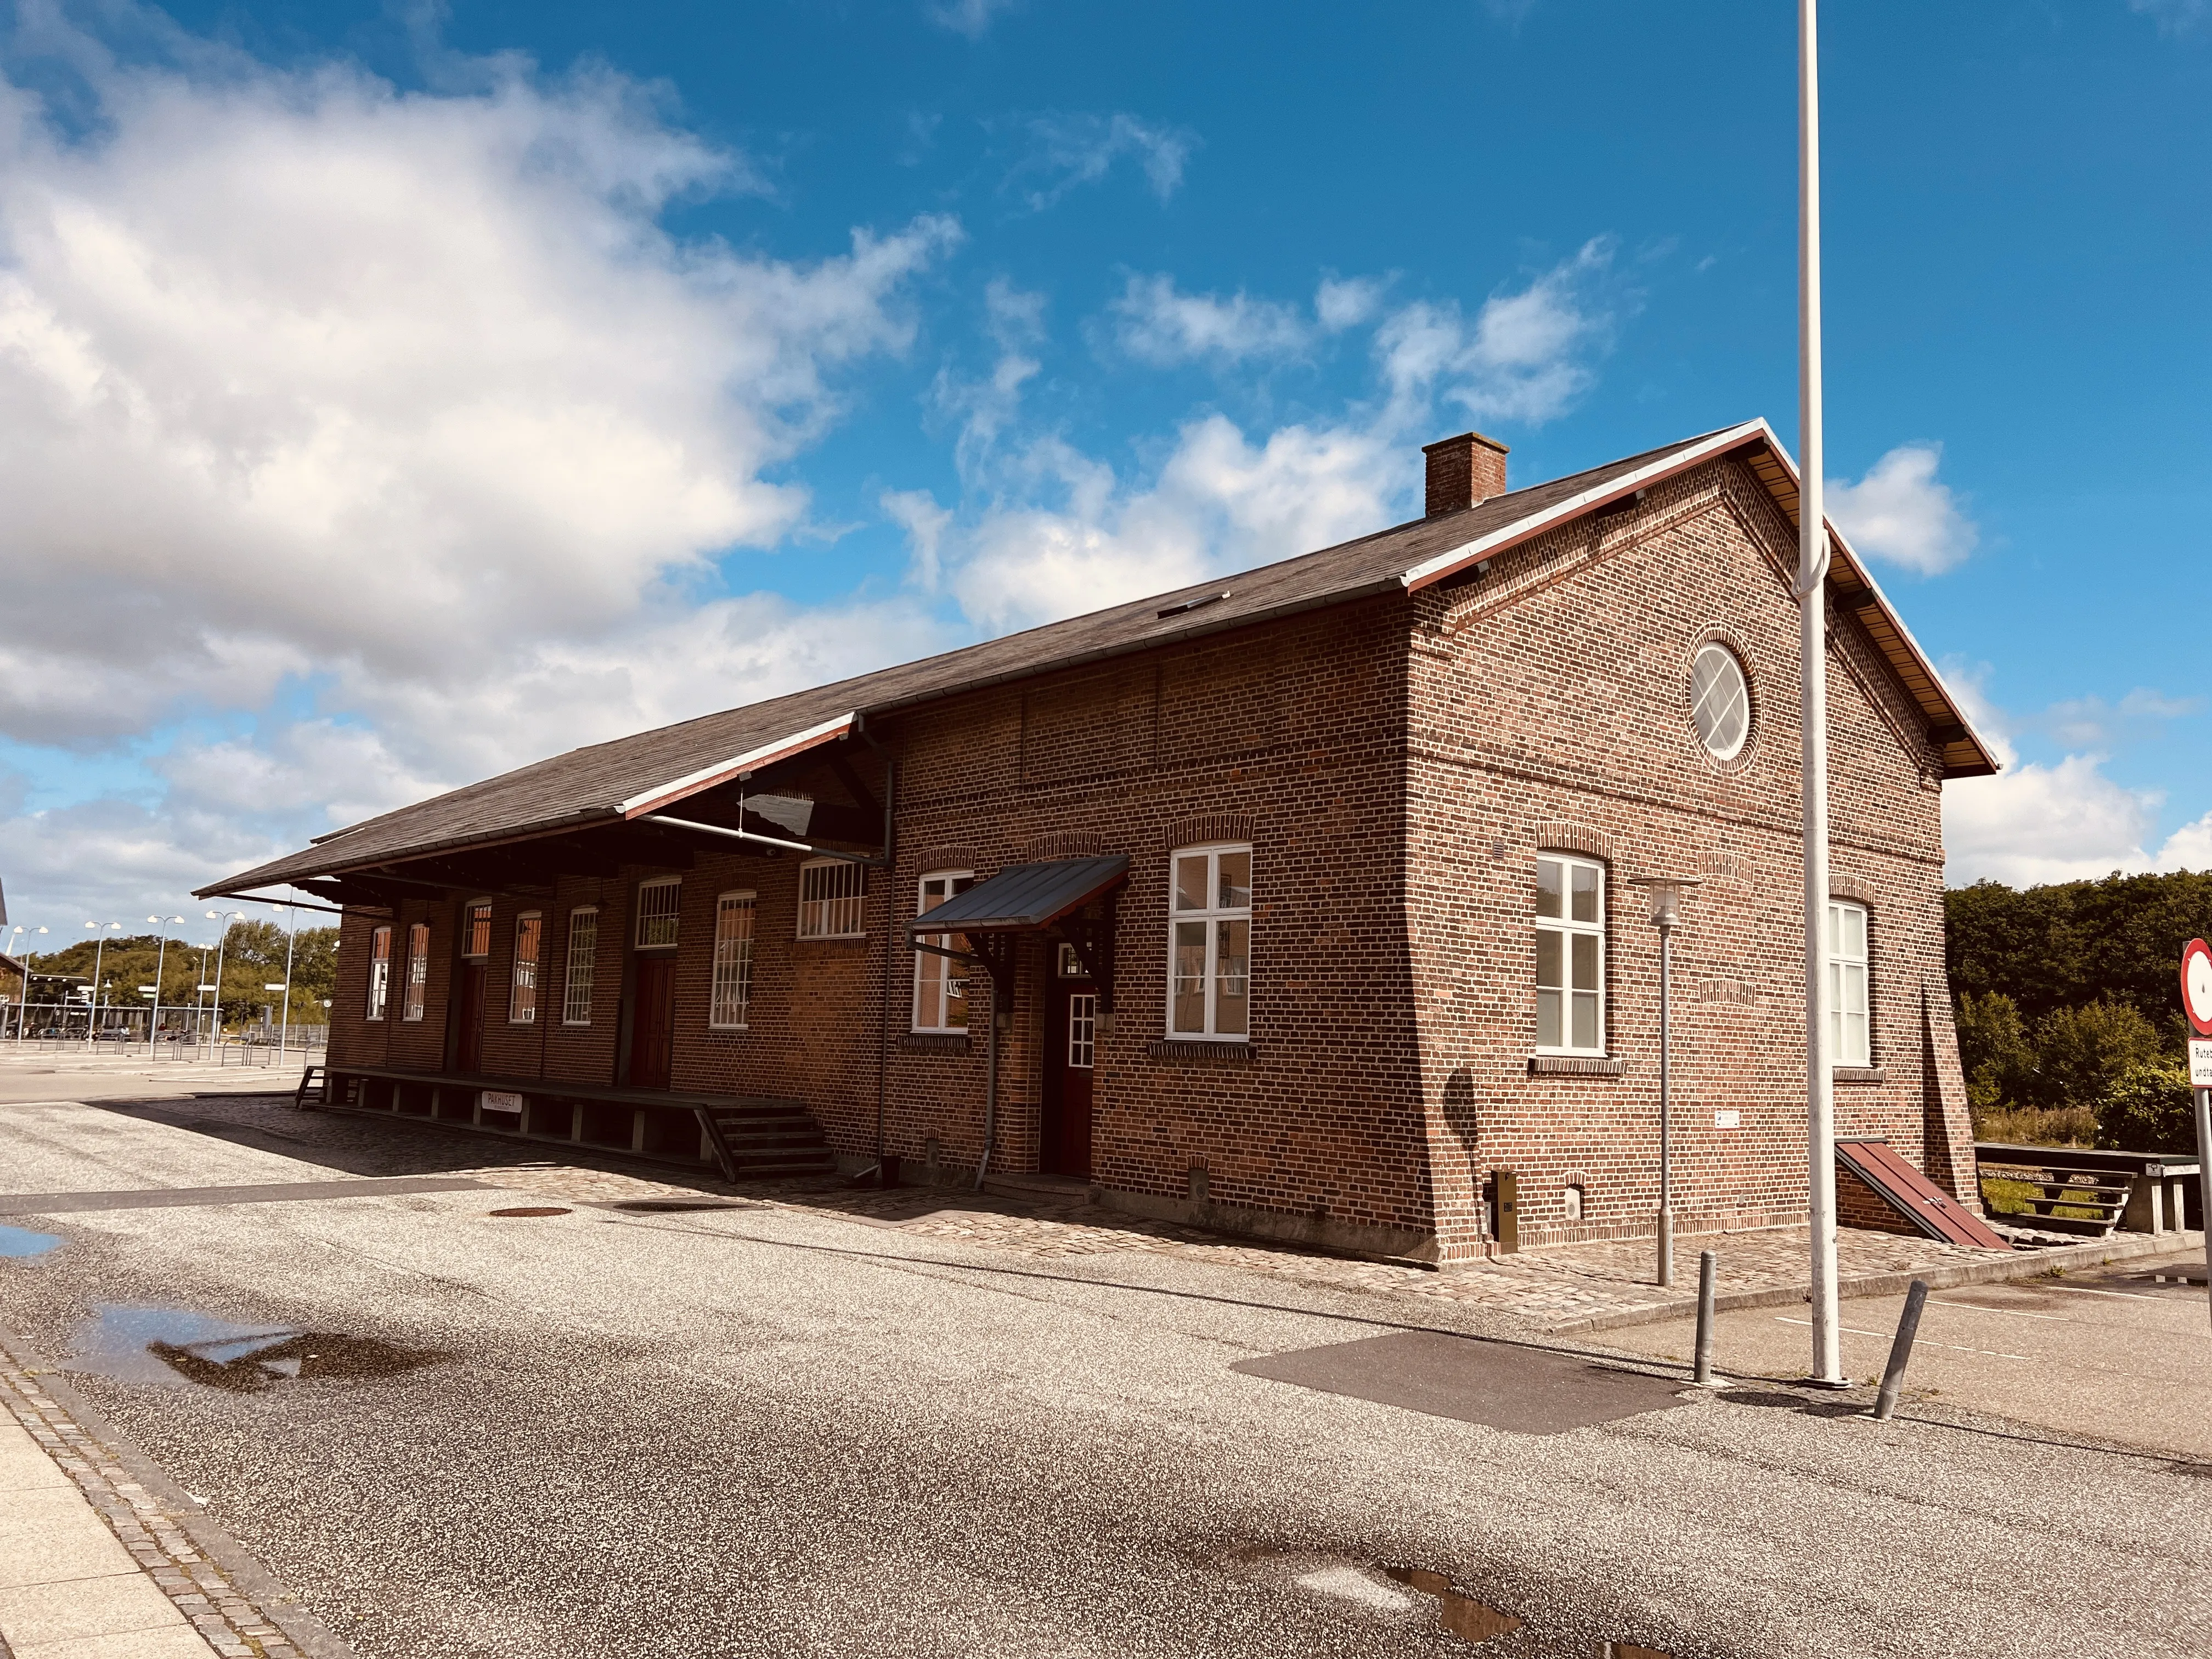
(135, 1344)
(22, 1242)
(1462, 1615)
(532, 1209)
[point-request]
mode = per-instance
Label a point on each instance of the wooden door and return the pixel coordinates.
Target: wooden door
(468, 1036)
(1071, 1042)
(652, 1028)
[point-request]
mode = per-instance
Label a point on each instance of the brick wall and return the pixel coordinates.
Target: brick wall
(1396, 765)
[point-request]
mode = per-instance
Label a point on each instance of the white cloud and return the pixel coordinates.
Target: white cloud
(1345, 303)
(1156, 323)
(1068, 149)
(2172, 16)
(1526, 357)
(972, 18)
(303, 375)
(2065, 821)
(1899, 512)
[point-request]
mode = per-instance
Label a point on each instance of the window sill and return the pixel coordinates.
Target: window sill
(933, 1042)
(832, 939)
(1575, 1065)
(1861, 1074)
(727, 1030)
(1186, 1051)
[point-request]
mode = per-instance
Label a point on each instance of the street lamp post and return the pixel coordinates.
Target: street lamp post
(92, 1012)
(1665, 910)
(23, 1012)
(161, 962)
(222, 943)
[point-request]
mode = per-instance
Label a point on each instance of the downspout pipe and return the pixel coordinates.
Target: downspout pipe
(890, 964)
(990, 1089)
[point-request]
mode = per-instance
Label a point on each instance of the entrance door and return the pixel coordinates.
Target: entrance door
(653, 1029)
(1067, 1065)
(468, 1040)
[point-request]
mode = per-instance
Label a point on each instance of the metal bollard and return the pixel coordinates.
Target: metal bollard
(1900, 1350)
(1708, 1271)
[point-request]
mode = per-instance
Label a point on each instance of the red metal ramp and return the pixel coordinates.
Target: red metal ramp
(1929, 1209)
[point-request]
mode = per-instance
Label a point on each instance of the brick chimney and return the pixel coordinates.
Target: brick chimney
(1464, 471)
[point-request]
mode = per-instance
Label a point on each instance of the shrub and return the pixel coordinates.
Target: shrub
(2079, 1053)
(1995, 1053)
(2148, 1108)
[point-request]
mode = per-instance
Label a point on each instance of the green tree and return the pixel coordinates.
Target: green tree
(1995, 1052)
(2081, 1052)
(2148, 1108)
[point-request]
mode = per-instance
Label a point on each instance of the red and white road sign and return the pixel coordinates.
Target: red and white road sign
(2196, 985)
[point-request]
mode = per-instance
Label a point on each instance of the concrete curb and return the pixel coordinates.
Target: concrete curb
(255, 1582)
(2022, 1264)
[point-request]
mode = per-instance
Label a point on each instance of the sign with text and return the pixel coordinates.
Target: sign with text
(495, 1100)
(2200, 1063)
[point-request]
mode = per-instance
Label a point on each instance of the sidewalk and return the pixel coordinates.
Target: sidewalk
(101, 1560)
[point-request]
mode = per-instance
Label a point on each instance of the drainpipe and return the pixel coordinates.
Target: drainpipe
(890, 962)
(990, 1089)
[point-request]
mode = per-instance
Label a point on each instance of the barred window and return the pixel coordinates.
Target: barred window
(733, 962)
(830, 894)
(522, 986)
(1570, 957)
(380, 970)
(1210, 943)
(940, 984)
(583, 949)
(475, 935)
(1849, 1033)
(417, 983)
(658, 901)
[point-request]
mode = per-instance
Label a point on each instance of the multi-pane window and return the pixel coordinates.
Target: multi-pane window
(583, 950)
(658, 901)
(940, 984)
(476, 931)
(1082, 1029)
(1210, 943)
(1570, 957)
(1719, 702)
(522, 985)
(732, 986)
(1849, 1038)
(417, 984)
(380, 970)
(830, 895)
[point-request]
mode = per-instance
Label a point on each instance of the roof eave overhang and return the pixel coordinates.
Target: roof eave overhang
(708, 777)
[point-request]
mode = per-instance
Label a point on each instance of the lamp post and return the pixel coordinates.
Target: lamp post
(222, 943)
(92, 1012)
(161, 962)
(1665, 910)
(23, 1012)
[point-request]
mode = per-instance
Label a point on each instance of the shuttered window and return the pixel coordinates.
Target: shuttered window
(831, 892)
(583, 950)
(522, 984)
(658, 904)
(418, 972)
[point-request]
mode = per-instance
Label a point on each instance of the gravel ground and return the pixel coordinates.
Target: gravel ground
(766, 1430)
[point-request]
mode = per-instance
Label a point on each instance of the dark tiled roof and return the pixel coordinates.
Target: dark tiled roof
(592, 784)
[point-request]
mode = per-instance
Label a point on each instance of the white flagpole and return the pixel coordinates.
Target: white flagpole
(1812, 582)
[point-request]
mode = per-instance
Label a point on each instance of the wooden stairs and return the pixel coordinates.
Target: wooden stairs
(765, 1139)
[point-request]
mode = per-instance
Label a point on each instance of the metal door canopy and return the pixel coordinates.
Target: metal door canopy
(1023, 897)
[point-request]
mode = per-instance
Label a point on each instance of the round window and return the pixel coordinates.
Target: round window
(1720, 703)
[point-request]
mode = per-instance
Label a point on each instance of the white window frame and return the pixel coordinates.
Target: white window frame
(380, 970)
(414, 983)
(935, 975)
(522, 973)
(580, 968)
(1213, 917)
(1571, 928)
(730, 992)
(826, 910)
(1739, 684)
(651, 913)
(1850, 962)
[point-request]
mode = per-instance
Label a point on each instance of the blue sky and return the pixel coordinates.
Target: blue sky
(405, 393)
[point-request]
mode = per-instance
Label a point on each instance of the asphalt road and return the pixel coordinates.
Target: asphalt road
(757, 1430)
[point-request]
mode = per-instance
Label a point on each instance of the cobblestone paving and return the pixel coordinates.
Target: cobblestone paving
(225, 1618)
(1545, 1286)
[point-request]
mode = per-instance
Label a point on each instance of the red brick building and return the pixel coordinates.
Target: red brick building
(1304, 892)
